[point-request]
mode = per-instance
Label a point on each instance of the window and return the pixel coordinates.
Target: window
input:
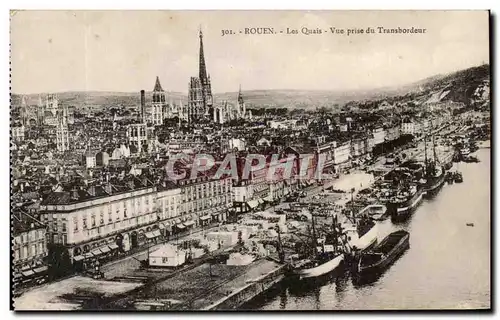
(33, 250)
(25, 252)
(64, 239)
(102, 217)
(64, 227)
(40, 247)
(164, 260)
(16, 254)
(124, 211)
(92, 220)
(84, 223)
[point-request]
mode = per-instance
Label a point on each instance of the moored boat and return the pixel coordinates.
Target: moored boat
(457, 176)
(374, 211)
(405, 201)
(306, 269)
(434, 182)
(448, 165)
(450, 177)
(434, 173)
(326, 257)
(375, 261)
(471, 159)
(363, 236)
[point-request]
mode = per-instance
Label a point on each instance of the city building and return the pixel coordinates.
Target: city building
(205, 200)
(29, 262)
(102, 159)
(17, 132)
(90, 159)
(158, 104)
(409, 127)
(378, 135)
(62, 136)
(237, 144)
(138, 135)
(167, 256)
(342, 152)
(94, 221)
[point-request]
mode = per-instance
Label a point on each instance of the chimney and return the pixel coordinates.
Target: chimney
(143, 105)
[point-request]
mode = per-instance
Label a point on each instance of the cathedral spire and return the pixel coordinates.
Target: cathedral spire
(157, 85)
(203, 69)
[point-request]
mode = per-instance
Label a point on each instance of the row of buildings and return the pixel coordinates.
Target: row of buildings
(92, 186)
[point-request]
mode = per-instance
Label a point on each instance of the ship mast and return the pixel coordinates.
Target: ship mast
(281, 253)
(434, 146)
(426, 160)
(425, 149)
(315, 239)
(335, 236)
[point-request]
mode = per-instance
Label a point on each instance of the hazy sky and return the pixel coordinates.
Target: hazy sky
(54, 51)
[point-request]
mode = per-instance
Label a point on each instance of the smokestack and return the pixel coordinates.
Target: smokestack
(143, 106)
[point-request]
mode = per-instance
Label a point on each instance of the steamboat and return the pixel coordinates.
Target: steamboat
(327, 255)
(434, 173)
(405, 201)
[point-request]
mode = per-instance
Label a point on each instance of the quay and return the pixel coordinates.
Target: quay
(205, 287)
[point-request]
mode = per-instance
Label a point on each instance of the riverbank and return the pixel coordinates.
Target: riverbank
(447, 266)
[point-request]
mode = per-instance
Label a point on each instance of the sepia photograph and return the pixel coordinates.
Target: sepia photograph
(170, 160)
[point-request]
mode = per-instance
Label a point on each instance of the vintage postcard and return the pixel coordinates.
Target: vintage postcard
(250, 160)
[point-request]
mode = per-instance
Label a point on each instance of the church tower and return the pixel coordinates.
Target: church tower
(200, 103)
(157, 104)
(204, 79)
(241, 105)
(62, 132)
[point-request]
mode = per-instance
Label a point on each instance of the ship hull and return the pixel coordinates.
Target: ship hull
(402, 211)
(433, 189)
(394, 251)
(319, 270)
(368, 240)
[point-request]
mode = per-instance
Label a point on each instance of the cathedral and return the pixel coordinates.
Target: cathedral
(48, 113)
(200, 103)
(200, 100)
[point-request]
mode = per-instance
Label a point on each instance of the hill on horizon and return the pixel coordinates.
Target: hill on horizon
(460, 83)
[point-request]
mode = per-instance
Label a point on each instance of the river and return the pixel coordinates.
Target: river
(446, 267)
